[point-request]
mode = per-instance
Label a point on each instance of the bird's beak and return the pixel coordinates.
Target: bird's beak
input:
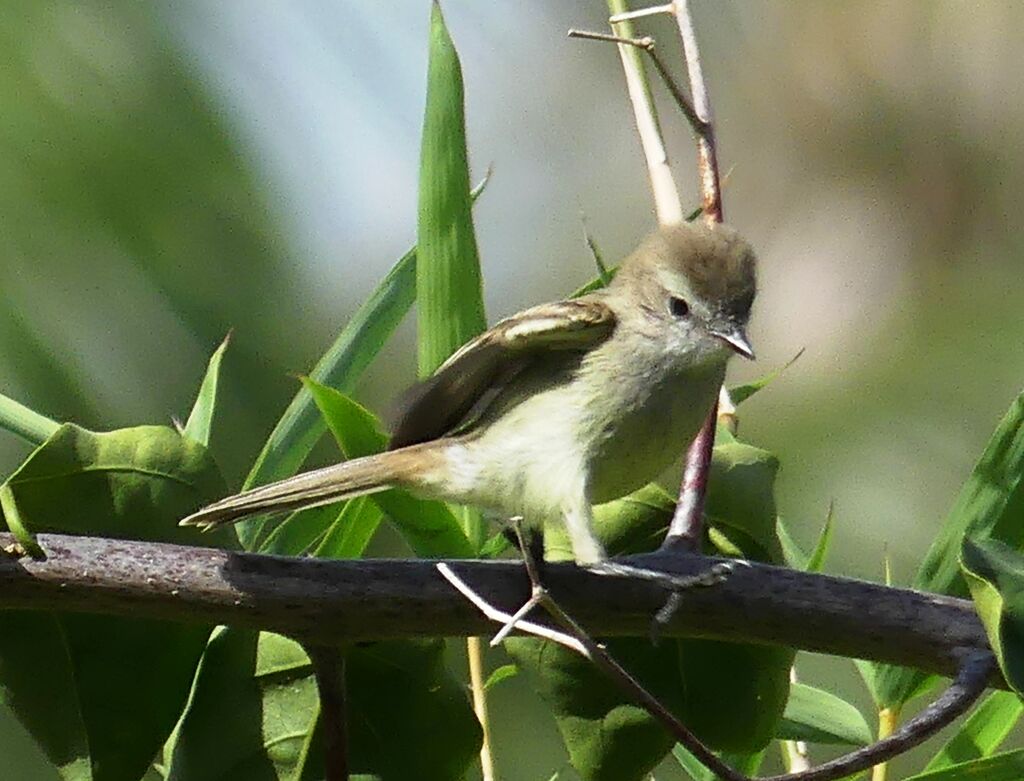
(736, 338)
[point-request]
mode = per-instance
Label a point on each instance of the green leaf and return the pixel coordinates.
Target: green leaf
(816, 562)
(430, 528)
(608, 737)
(27, 424)
(792, 553)
(817, 716)
(448, 285)
(983, 731)
(100, 695)
(301, 425)
(254, 713)
(1001, 767)
(200, 419)
(449, 289)
(740, 393)
(989, 505)
(301, 531)
(352, 531)
(995, 574)
(500, 674)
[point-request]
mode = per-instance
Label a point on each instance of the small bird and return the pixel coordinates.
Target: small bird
(563, 405)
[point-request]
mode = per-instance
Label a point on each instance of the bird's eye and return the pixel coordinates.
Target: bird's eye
(678, 307)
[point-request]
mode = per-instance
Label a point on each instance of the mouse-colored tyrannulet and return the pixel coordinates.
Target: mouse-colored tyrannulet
(563, 405)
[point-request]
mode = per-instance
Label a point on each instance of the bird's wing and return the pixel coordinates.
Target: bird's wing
(442, 402)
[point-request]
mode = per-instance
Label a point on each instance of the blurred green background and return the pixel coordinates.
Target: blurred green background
(170, 171)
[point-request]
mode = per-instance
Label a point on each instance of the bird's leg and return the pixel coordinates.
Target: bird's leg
(532, 550)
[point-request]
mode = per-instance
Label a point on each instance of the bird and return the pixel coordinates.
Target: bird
(563, 405)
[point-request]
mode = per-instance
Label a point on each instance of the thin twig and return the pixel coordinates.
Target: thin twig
(640, 13)
(329, 671)
(577, 639)
(687, 526)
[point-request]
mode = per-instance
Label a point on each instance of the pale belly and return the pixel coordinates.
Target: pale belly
(566, 445)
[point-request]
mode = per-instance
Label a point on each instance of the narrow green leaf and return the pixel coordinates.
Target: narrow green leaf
(989, 505)
(740, 393)
(352, 531)
(689, 763)
(500, 674)
(27, 424)
(301, 531)
(816, 562)
(983, 731)
(817, 716)
(301, 425)
(200, 419)
(448, 285)
(430, 528)
(792, 553)
(1001, 767)
(995, 574)
(449, 289)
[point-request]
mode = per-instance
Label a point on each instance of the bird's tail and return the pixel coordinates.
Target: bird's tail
(346, 480)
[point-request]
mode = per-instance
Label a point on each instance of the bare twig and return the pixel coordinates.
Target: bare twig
(976, 666)
(687, 525)
(577, 639)
(329, 671)
(970, 682)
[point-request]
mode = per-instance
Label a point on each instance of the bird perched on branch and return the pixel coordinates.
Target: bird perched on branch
(562, 405)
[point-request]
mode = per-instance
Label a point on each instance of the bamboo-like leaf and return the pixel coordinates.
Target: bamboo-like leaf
(1002, 767)
(989, 505)
(449, 290)
(430, 528)
(200, 419)
(301, 425)
(817, 716)
(448, 285)
(983, 731)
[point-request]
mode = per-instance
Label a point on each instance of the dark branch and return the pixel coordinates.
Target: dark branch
(326, 602)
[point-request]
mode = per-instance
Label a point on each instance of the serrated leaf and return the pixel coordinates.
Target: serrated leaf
(817, 716)
(430, 528)
(255, 713)
(983, 731)
(200, 419)
(1001, 767)
(995, 574)
(989, 505)
(100, 695)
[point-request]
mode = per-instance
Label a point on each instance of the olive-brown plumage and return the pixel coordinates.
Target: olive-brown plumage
(564, 404)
